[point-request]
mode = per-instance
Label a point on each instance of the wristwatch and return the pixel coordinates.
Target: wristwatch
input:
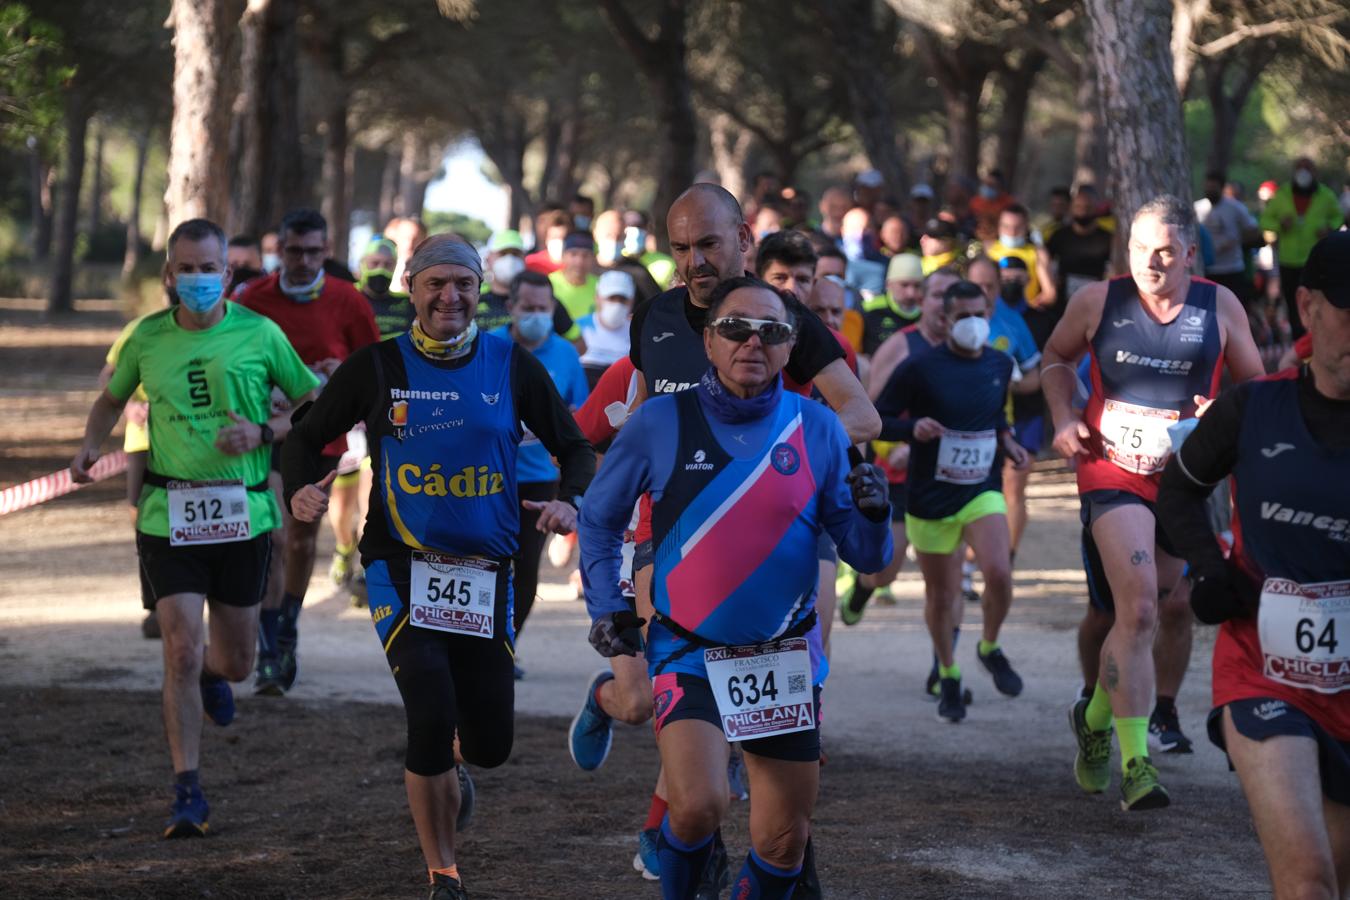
(267, 435)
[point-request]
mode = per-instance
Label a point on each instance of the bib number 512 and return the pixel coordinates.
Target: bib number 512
(747, 688)
(211, 510)
(449, 590)
(1307, 639)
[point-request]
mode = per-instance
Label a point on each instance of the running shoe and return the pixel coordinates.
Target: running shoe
(268, 682)
(931, 689)
(467, 795)
(844, 579)
(150, 627)
(443, 887)
(341, 568)
(560, 549)
(1008, 682)
(592, 731)
(717, 874)
(217, 700)
(288, 663)
(1092, 764)
(517, 672)
(1164, 731)
(736, 777)
(1139, 789)
(360, 598)
(187, 817)
(851, 610)
(646, 861)
(951, 704)
(808, 882)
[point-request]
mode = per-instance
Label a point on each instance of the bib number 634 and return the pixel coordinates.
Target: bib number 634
(743, 689)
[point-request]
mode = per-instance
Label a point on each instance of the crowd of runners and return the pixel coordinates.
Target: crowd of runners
(727, 442)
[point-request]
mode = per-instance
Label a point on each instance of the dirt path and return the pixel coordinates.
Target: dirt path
(306, 792)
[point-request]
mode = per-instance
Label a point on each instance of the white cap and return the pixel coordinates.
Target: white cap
(615, 283)
(921, 190)
(871, 178)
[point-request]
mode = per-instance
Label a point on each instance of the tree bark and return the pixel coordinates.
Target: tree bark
(273, 165)
(1089, 150)
(133, 251)
(61, 298)
(198, 154)
(730, 149)
(40, 175)
(1228, 106)
(1186, 16)
(851, 26)
(336, 192)
(96, 170)
(1141, 109)
(389, 187)
(1017, 84)
(961, 72)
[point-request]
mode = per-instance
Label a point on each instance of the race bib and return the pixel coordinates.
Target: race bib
(1135, 438)
(965, 457)
(207, 512)
(762, 690)
(1305, 634)
(455, 594)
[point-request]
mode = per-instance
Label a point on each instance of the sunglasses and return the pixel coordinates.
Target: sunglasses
(770, 332)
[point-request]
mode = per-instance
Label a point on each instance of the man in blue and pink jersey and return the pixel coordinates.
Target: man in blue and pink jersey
(1157, 340)
(744, 477)
(1282, 658)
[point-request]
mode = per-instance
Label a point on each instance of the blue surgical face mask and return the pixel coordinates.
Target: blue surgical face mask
(200, 291)
(271, 262)
(634, 241)
(988, 192)
(534, 327)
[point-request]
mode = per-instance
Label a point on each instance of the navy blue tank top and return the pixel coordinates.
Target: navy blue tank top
(673, 358)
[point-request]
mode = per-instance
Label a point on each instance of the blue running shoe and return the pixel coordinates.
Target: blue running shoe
(736, 777)
(592, 731)
(268, 682)
(217, 699)
(468, 794)
(646, 861)
(187, 818)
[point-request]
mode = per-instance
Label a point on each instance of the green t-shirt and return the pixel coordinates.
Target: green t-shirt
(193, 379)
(136, 439)
(578, 300)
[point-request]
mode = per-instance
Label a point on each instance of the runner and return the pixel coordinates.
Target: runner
(789, 458)
(1158, 340)
(443, 405)
(506, 260)
(605, 331)
(954, 402)
(392, 309)
(887, 313)
(208, 368)
(893, 457)
(325, 319)
(1282, 660)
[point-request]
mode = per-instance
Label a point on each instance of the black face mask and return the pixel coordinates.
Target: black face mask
(1013, 293)
(378, 284)
(1214, 197)
(241, 275)
(1084, 221)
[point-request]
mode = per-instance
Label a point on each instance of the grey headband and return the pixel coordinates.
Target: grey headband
(439, 253)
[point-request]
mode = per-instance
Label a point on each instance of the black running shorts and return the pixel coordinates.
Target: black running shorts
(1264, 717)
(679, 695)
(233, 573)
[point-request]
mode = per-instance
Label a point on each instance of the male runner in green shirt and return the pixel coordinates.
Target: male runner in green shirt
(208, 368)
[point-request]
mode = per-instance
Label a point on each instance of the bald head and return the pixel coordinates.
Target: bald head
(708, 238)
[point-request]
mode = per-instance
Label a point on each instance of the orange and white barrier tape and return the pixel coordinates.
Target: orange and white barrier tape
(57, 484)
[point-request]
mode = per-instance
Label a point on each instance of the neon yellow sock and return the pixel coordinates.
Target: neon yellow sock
(952, 671)
(1098, 713)
(1132, 732)
(987, 647)
(345, 549)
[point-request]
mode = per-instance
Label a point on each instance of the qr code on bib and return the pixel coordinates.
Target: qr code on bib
(797, 684)
(485, 598)
(237, 508)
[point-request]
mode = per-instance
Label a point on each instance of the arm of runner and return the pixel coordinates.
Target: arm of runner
(862, 533)
(888, 357)
(1045, 279)
(845, 394)
(608, 508)
(1239, 349)
(545, 413)
(1066, 346)
(349, 396)
(103, 415)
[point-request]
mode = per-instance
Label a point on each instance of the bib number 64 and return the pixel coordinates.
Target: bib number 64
(1308, 639)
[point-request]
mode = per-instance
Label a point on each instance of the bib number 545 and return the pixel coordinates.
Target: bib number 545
(448, 590)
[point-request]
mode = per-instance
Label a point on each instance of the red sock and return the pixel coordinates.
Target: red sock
(451, 871)
(655, 814)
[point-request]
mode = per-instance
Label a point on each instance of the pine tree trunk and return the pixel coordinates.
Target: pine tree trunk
(336, 193)
(198, 148)
(133, 251)
(40, 189)
(61, 298)
(96, 187)
(1131, 40)
(730, 149)
(1017, 85)
(1089, 156)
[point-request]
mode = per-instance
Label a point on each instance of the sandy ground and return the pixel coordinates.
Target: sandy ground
(909, 807)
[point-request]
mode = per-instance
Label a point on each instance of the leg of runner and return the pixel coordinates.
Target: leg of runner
(1092, 632)
(1171, 656)
(268, 680)
(855, 601)
(942, 612)
(1015, 493)
(182, 625)
(694, 756)
(1125, 537)
(532, 542)
(1279, 775)
(301, 547)
(784, 796)
(988, 539)
(826, 600)
(343, 506)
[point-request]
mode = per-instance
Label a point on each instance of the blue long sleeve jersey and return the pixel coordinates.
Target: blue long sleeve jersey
(736, 513)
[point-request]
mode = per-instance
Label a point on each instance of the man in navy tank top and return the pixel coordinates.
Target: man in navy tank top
(1282, 658)
(1157, 340)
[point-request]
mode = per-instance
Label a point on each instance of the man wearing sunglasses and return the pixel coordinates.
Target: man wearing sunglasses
(734, 582)
(326, 320)
(949, 403)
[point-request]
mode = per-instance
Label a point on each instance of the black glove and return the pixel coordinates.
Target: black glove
(871, 493)
(1223, 594)
(617, 634)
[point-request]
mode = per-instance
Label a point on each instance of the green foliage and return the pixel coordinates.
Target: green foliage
(475, 230)
(30, 76)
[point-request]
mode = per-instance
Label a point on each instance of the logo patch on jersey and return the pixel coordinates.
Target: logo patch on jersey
(1166, 366)
(398, 413)
(403, 394)
(1272, 452)
(656, 339)
(1121, 323)
(1271, 709)
(785, 459)
(1195, 321)
(699, 464)
(666, 386)
(491, 399)
(466, 483)
(1336, 529)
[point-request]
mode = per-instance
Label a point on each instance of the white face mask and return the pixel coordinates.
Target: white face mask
(971, 333)
(555, 249)
(1013, 241)
(611, 315)
(504, 270)
(1303, 178)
